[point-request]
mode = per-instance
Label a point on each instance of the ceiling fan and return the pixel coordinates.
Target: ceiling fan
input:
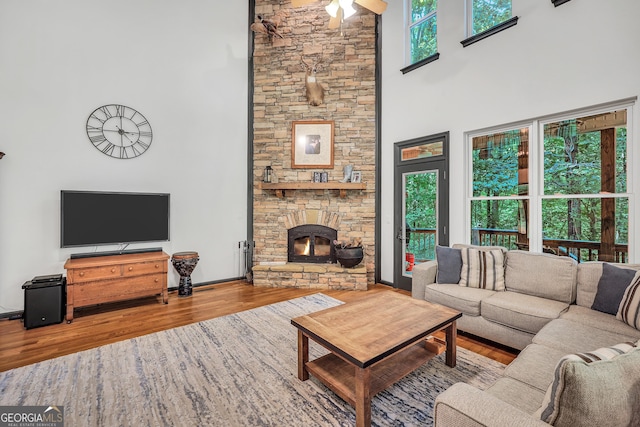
(342, 9)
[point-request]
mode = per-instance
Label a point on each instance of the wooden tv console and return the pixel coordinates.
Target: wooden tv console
(97, 280)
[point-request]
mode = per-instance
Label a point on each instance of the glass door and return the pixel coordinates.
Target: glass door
(421, 204)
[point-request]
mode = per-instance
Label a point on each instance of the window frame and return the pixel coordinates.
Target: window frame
(409, 25)
(473, 38)
(536, 194)
(469, 171)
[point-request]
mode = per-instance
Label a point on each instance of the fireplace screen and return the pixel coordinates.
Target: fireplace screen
(311, 243)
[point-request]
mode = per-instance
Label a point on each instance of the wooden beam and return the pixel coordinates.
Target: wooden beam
(602, 122)
(607, 185)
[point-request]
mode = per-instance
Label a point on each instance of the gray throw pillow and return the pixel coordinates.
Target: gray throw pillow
(598, 388)
(613, 282)
(449, 264)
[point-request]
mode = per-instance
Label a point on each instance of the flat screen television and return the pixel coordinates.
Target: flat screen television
(91, 218)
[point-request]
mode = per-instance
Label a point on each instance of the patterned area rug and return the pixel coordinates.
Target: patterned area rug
(238, 370)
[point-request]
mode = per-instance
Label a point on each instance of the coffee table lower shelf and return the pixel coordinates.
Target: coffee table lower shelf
(340, 376)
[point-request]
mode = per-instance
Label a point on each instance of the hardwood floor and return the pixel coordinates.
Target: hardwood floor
(108, 323)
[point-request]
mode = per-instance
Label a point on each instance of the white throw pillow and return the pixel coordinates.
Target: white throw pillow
(482, 269)
(629, 309)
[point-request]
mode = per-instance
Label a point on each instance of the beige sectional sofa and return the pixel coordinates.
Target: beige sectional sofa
(545, 311)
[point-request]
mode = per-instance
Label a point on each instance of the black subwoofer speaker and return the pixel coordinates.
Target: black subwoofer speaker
(44, 303)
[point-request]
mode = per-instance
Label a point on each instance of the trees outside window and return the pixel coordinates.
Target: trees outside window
(578, 203)
(422, 29)
(482, 15)
(585, 184)
(500, 188)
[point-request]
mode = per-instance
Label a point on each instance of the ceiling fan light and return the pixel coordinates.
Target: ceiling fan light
(345, 3)
(332, 8)
(348, 11)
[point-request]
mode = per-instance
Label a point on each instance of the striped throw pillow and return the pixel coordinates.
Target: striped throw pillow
(482, 269)
(594, 388)
(629, 309)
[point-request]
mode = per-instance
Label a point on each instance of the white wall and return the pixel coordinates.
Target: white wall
(580, 54)
(182, 64)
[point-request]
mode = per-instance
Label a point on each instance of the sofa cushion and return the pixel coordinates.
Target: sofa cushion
(465, 300)
(518, 394)
(599, 320)
(541, 275)
(463, 405)
(588, 278)
(629, 311)
(524, 312)
(449, 264)
(611, 286)
(482, 269)
(574, 337)
(535, 365)
(597, 388)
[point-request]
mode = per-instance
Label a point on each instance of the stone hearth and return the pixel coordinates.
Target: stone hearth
(310, 276)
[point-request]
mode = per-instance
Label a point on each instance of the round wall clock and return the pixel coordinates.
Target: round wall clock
(118, 131)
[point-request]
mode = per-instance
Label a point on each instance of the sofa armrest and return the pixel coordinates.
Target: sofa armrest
(423, 274)
(465, 405)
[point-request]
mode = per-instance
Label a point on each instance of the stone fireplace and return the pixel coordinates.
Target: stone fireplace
(312, 226)
(311, 243)
(348, 77)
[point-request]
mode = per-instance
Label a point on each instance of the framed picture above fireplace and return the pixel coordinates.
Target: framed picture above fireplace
(312, 144)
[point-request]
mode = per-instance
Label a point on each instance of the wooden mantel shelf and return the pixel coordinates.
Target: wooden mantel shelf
(280, 187)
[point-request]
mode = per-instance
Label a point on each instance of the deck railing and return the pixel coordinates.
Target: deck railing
(422, 241)
(494, 237)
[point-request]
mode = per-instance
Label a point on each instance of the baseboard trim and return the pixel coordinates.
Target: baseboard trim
(12, 315)
(211, 282)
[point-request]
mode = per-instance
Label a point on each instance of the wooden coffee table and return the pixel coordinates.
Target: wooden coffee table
(374, 342)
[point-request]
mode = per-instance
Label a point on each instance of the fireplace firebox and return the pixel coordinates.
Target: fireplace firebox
(311, 243)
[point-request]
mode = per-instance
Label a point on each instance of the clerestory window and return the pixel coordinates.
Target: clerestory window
(487, 17)
(485, 14)
(422, 34)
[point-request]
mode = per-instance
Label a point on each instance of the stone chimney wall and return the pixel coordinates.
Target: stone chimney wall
(348, 77)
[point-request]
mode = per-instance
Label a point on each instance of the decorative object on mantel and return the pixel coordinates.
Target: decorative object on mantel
(1, 154)
(268, 27)
(314, 90)
(356, 176)
(348, 169)
(349, 254)
(268, 173)
(312, 144)
(320, 177)
(339, 10)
